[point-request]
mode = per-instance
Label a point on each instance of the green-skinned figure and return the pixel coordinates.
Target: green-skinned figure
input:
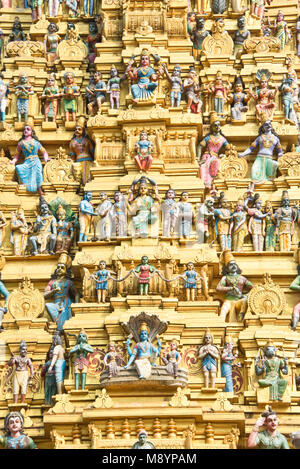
(81, 364)
(272, 367)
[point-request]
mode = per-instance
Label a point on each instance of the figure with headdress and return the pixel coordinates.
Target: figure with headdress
(258, 8)
(61, 288)
(113, 87)
(70, 94)
(192, 278)
(51, 40)
(144, 271)
(21, 376)
(17, 33)
(58, 362)
(176, 84)
(119, 215)
(170, 213)
(30, 173)
(19, 232)
(86, 214)
(209, 151)
(240, 36)
(270, 220)
(287, 96)
(295, 286)
(204, 217)
(223, 217)
(270, 438)
(65, 231)
(145, 77)
(51, 96)
(49, 378)
(143, 206)
(22, 91)
(235, 286)
(97, 94)
(191, 89)
(111, 360)
(208, 354)
(227, 359)
(267, 143)
(285, 217)
(219, 90)
(144, 353)
(272, 367)
(238, 226)
(143, 442)
(198, 34)
(264, 96)
(257, 225)
(44, 231)
(81, 363)
(4, 92)
(185, 215)
(172, 358)
(14, 437)
(103, 226)
(144, 149)
(82, 149)
(238, 100)
(281, 30)
(93, 38)
(36, 9)
(101, 277)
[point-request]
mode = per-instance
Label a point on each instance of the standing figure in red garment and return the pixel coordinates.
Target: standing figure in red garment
(143, 148)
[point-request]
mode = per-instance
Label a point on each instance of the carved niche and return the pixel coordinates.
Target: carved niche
(231, 166)
(26, 302)
(61, 169)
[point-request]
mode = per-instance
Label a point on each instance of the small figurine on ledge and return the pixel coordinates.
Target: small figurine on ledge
(70, 94)
(51, 41)
(86, 212)
(172, 359)
(97, 94)
(238, 227)
(145, 77)
(82, 149)
(19, 232)
(111, 360)
(176, 84)
(204, 218)
(238, 100)
(144, 270)
(257, 225)
(192, 90)
(17, 33)
(65, 231)
(81, 364)
(44, 231)
(103, 228)
(113, 87)
(191, 279)
(271, 366)
(4, 92)
(22, 91)
(51, 96)
(101, 278)
(270, 438)
(264, 96)
(185, 216)
(281, 30)
(223, 217)
(143, 443)
(144, 149)
(209, 355)
(198, 34)
(219, 90)
(287, 92)
(227, 359)
(170, 211)
(119, 215)
(94, 37)
(21, 377)
(58, 362)
(14, 437)
(295, 285)
(50, 381)
(285, 217)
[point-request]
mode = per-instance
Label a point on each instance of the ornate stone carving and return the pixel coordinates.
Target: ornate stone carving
(27, 420)
(266, 299)
(58, 439)
(179, 399)
(103, 401)
(289, 164)
(222, 404)
(231, 166)
(219, 43)
(7, 170)
(232, 439)
(63, 405)
(84, 258)
(42, 23)
(26, 302)
(144, 28)
(72, 48)
(205, 254)
(60, 169)
(25, 49)
(95, 435)
(155, 325)
(261, 44)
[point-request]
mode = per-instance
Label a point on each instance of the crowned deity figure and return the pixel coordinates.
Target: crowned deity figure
(65, 231)
(170, 212)
(14, 437)
(210, 149)
(281, 30)
(238, 226)
(223, 217)
(21, 376)
(176, 84)
(219, 89)
(51, 97)
(19, 232)
(144, 353)
(4, 92)
(285, 218)
(272, 367)
(287, 96)
(208, 354)
(144, 149)
(81, 363)
(264, 96)
(82, 149)
(192, 91)
(238, 100)
(227, 360)
(51, 41)
(44, 231)
(22, 91)
(267, 143)
(114, 87)
(172, 358)
(103, 227)
(257, 224)
(112, 360)
(119, 215)
(70, 95)
(234, 285)
(17, 33)
(145, 77)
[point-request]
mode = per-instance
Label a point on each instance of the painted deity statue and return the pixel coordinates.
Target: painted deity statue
(88, 7)
(270, 228)
(234, 285)
(143, 442)
(82, 149)
(238, 100)
(185, 216)
(36, 9)
(145, 77)
(295, 285)
(21, 375)
(94, 37)
(285, 217)
(239, 226)
(258, 8)
(298, 35)
(19, 232)
(223, 219)
(49, 379)
(191, 278)
(144, 271)
(30, 173)
(287, 96)
(70, 94)
(191, 89)
(227, 359)
(170, 212)
(101, 277)
(198, 34)
(257, 224)
(281, 30)
(119, 215)
(144, 149)
(61, 289)
(270, 438)
(144, 353)
(86, 213)
(53, 7)
(81, 363)
(210, 149)
(58, 362)
(65, 232)
(4, 92)
(14, 437)
(240, 36)
(144, 207)
(172, 359)
(267, 143)
(103, 228)
(208, 354)
(264, 96)
(22, 91)
(17, 33)
(114, 87)
(44, 231)
(73, 6)
(272, 367)
(97, 94)
(111, 360)
(51, 41)
(219, 90)
(191, 18)
(51, 97)
(204, 217)
(176, 84)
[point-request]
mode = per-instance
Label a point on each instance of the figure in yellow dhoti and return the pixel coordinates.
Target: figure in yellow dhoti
(285, 216)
